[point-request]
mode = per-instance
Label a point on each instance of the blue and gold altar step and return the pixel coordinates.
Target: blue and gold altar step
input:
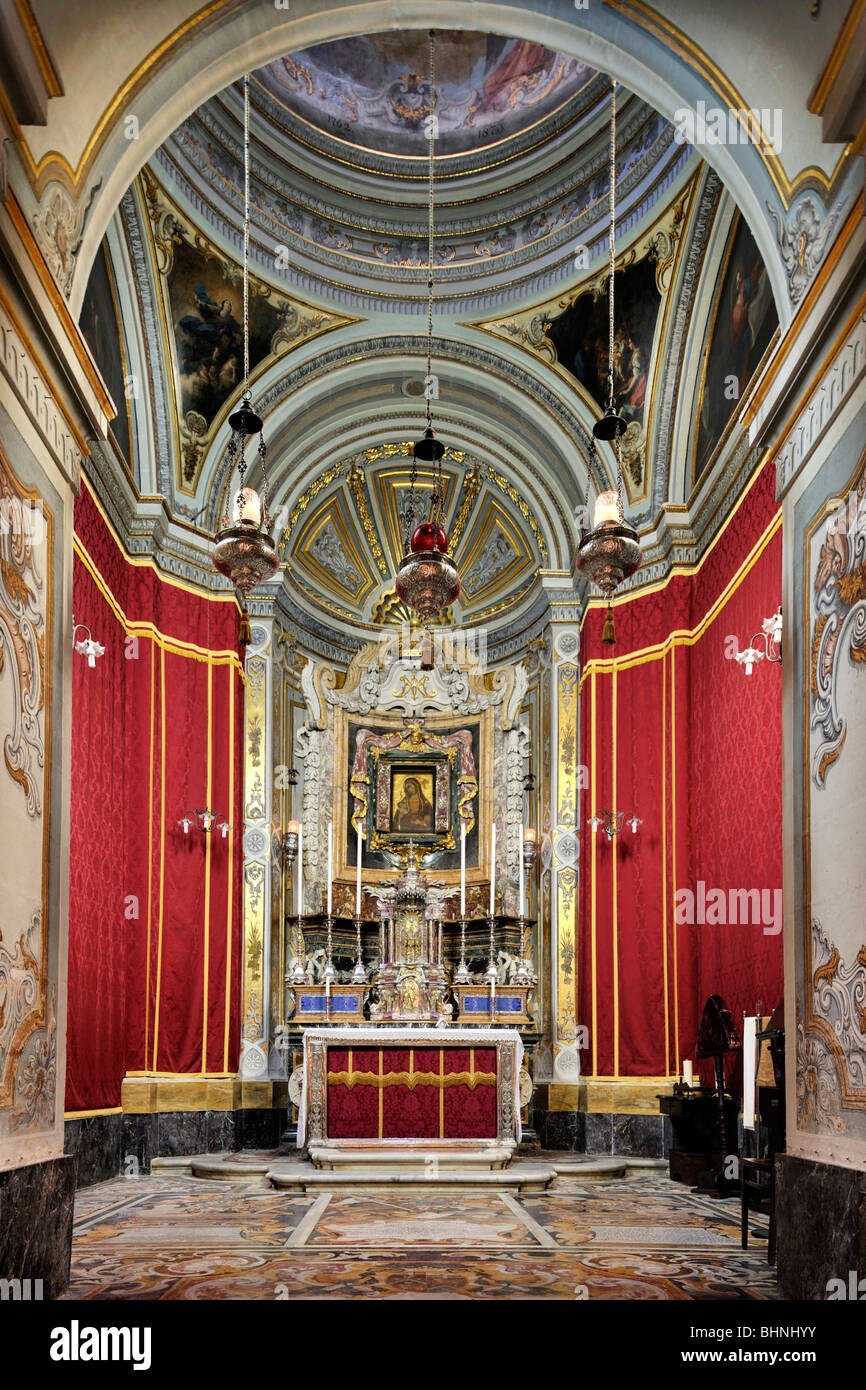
(507, 1005)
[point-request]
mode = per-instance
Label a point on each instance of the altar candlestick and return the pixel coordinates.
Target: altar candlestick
(358, 887)
(521, 873)
(492, 868)
(330, 851)
(463, 869)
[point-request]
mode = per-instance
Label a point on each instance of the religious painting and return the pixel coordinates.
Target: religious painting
(412, 802)
(202, 296)
(100, 324)
(742, 322)
(374, 89)
(207, 321)
(581, 338)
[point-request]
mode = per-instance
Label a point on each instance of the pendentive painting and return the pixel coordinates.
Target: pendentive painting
(202, 299)
(742, 323)
(580, 336)
(100, 324)
(207, 319)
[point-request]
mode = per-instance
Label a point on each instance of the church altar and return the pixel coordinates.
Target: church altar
(410, 1087)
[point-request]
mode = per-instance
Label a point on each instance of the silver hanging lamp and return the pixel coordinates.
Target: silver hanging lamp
(427, 579)
(611, 551)
(244, 549)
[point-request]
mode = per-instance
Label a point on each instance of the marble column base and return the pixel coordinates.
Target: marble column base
(820, 1226)
(110, 1146)
(36, 1224)
(638, 1136)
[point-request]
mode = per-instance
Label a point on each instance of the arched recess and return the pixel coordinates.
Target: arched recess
(657, 62)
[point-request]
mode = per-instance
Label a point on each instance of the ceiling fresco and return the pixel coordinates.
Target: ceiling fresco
(374, 90)
(338, 315)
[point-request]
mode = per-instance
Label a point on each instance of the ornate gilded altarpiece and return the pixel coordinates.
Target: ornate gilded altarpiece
(412, 755)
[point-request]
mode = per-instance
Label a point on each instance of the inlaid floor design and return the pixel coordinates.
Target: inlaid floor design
(186, 1238)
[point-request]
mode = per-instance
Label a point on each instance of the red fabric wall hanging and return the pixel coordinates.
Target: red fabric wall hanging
(676, 732)
(154, 915)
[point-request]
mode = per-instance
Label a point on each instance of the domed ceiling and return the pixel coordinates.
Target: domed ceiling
(372, 93)
(338, 318)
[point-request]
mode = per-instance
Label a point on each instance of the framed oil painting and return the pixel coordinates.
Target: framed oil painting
(413, 797)
(742, 322)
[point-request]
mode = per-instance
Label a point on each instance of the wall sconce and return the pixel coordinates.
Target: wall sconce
(530, 849)
(612, 822)
(206, 821)
(89, 647)
(770, 637)
(289, 843)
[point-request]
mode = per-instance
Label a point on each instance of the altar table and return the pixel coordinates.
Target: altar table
(404, 1086)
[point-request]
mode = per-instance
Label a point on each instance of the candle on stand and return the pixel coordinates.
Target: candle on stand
(358, 887)
(463, 869)
(330, 849)
(688, 1074)
(492, 867)
(300, 893)
(521, 872)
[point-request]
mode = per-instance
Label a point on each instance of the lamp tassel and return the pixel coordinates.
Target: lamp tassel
(608, 636)
(245, 635)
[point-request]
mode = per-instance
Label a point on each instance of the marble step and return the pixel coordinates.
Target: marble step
(523, 1177)
(401, 1160)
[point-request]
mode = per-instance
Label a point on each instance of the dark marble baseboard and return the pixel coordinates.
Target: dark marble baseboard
(108, 1146)
(820, 1225)
(637, 1136)
(36, 1225)
(96, 1141)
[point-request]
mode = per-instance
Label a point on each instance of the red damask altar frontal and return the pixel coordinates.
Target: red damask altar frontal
(396, 1085)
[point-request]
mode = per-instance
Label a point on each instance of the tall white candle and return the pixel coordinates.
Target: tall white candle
(492, 867)
(330, 850)
(358, 887)
(521, 877)
(300, 894)
(463, 869)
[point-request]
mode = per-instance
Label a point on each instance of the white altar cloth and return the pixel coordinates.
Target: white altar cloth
(442, 1037)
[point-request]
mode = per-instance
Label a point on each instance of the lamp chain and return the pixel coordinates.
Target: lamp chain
(438, 490)
(246, 235)
(431, 127)
(611, 240)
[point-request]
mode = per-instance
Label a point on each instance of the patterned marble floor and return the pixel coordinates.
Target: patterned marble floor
(187, 1238)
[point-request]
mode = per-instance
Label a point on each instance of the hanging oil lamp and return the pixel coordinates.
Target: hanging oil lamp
(611, 551)
(244, 549)
(427, 579)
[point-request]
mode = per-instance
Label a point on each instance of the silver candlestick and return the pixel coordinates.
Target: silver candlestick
(299, 973)
(489, 975)
(461, 975)
(329, 973)
(360, 974)
(523, 973)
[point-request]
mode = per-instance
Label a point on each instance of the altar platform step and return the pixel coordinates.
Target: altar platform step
(373, 1171)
